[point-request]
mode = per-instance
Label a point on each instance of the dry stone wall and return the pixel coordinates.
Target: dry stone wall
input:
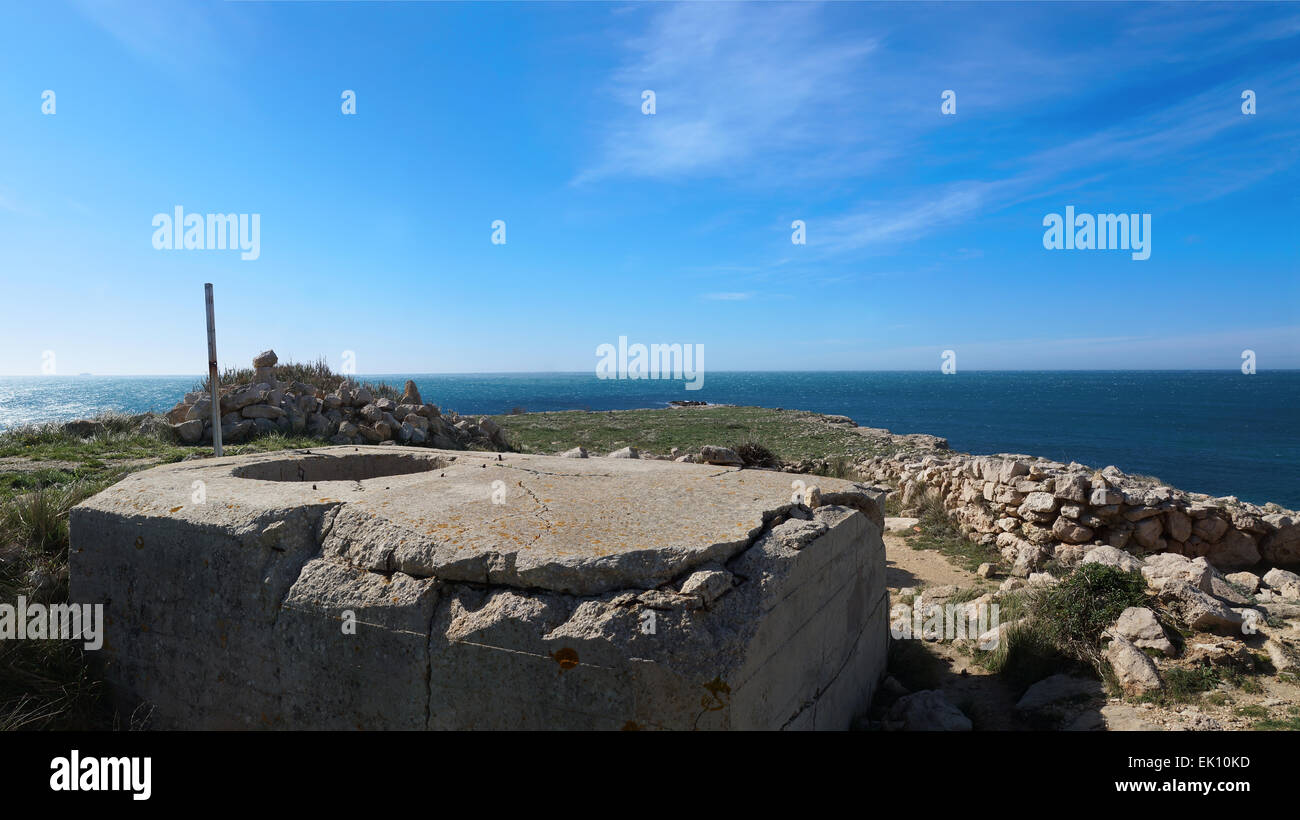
(1035, 509)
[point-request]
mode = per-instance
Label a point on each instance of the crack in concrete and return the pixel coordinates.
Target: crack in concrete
(543, 472)
(541, 514)
(821, 690)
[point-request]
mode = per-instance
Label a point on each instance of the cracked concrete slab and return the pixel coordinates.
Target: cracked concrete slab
(388, 587)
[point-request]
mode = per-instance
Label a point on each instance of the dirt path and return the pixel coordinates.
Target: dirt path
(983, 696)
(907, 567)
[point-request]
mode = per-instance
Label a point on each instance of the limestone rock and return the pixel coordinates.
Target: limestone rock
(927, 711)
(1113, 558)
(1236, 550)
(1210, 529)
(626, 452)
(1103, 497)
(1139, 625)
(1225, 653)
(490, 428)
(1283, 582)
(1071, 532)
(1282, 546)
(1058, 699)
(1074, 487)
(1283, 654)
(266, 358)
(1012, 584)
(1044, 503)
(1199, 610)
(576, 452)
(708, 585)
(1248, 581)
(724, 456)
(1147, 532)
(410, 394)
(1135, 671)
(1178, 524)
(1168, 566)
(189, 432)
(262, 411)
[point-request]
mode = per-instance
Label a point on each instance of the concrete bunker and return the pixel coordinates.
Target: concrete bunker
(394, 588)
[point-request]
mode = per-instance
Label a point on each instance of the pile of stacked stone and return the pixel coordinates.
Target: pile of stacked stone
(1035, 509)
(349, 415)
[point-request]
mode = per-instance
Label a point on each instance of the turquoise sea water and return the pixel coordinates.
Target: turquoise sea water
(1218, 432)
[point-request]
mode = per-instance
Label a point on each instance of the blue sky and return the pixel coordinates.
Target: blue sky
(924, 231)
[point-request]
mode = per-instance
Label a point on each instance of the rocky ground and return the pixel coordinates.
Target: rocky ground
(349, 414)
(943, 685)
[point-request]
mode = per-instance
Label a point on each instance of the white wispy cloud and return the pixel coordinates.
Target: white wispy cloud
(736, 86)
(772, 90)
(729, 297)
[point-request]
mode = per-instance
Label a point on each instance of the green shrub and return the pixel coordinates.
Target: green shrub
(756, 455)
(1183, 684)
(938, 532)
(1074, 613)
(318, 374)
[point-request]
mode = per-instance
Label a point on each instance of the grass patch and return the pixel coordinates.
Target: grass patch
(1184, 685)
(94, 444)
(1025, 655)
(789, 435)
(1290, 723)
(1058, 628)
(43, 684)
(938, 532)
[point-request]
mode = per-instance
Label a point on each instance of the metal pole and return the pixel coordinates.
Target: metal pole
(212, 371)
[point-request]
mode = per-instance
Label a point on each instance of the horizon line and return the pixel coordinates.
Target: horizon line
(201, 376)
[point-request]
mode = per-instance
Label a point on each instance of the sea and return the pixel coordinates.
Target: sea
(1216, 432)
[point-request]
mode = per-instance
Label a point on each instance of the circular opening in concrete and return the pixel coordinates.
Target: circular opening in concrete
(356, 467)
